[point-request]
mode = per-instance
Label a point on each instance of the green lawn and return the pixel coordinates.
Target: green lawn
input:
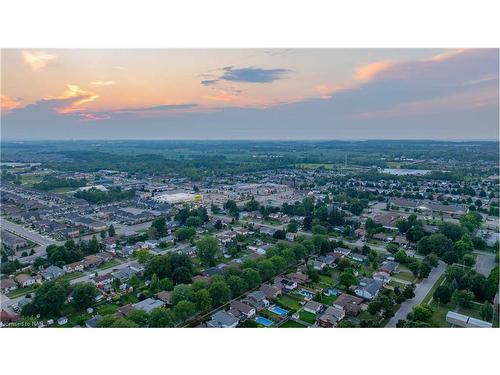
(20, 292)
(307, 317)
(406, 276)
(110, 264)
(62, 190)
(440, 311)
(292, 324)
(289, 303)
(107, 309)
(433, 289)
(71, 276)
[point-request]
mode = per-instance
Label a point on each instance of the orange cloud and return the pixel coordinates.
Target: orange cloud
(8, 103)
(80, 96)
(38, 59)
(367, 72)
(446, 55)
(327, 91)
(103, 83)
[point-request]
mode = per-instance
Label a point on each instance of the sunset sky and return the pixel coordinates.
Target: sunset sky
(250, 94)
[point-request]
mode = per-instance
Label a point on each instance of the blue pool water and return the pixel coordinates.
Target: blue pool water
(278, 310)
(265, 322)
(307, 293)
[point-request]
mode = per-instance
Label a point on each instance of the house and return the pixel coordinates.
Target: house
(7, 285)
(317, 264)
(7, 317)
(360, 233)
(25, 280)
(212, 271)
(358, 257)
(165, 297)
(388, 220)
(62, 320)
(313, 307)
(52, 272)
(124, 274)
(282, 283)
(388, 267)
(384, 277)
(368, 288)
(381, 237)
(91, 261)
(148, 304)
(270, 291)
(74, 267)
(125, 309)
(93, 322)
(400, 240)
(328, 259)
(342, 251)
(241, 310)
(105, 256)
(126, 251)
(290, 236)
(257, 299)
(222, 319)
(102, 280)
(298, 277)
(330, 317)
(350, 304)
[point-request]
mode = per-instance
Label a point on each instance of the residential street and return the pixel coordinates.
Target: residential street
(420, 292)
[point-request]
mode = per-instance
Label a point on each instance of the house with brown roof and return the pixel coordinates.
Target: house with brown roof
(270, 291)
(7, 285)
(165, 297)
(350, 304)
(25, 280)
(243, 309)
(298, 277)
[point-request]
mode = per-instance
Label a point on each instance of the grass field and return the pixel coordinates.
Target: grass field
(292, 324)
(71, 276)
(289, 303)
(307, 317)
(110, 264)
(20, 292)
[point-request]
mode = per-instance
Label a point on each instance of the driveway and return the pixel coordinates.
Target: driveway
(485, 262)
(420, 292)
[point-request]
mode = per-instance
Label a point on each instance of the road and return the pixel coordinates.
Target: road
(421, 291)
(25, 233)
(485, 262)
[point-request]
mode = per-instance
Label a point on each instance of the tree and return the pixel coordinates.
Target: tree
(251, 205)
(93, 246)
(161, 318)
(215, 209)
(422, 313)
(49, 299)
(203, 300)
(486, 311)
(124, 323)
(279, 234)
(181, 275)
(279, 263)
(237, 285)
(184, 233)
(409, 291)
(401, 257)
(251, 277)
(182, 292)
(380, 305)
(161, 226)
(193, 221)
(292, 227)
(453, 231)
(111, 230)
(392, 248)
(154, 286)
(266, 269)
(139, 317)
(184, 310)
(347, 278)
(414, 267)
(437, 243)
(219, 292)
(207, 250)
(442, 294)
(425, 270)
(462, 298)
(159, 266)
(84, 295)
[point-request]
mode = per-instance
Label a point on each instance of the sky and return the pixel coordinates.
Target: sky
(289, 94)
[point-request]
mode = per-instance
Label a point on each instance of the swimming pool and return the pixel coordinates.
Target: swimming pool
(265, 322)
(278, 310)
(307, 293)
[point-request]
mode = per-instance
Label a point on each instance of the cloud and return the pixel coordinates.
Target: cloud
(8, 103)
(38, 60)
(164, 107)
(367, 72)
(76, 96)
(247, 75)
(103, 83)
(209, 82)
